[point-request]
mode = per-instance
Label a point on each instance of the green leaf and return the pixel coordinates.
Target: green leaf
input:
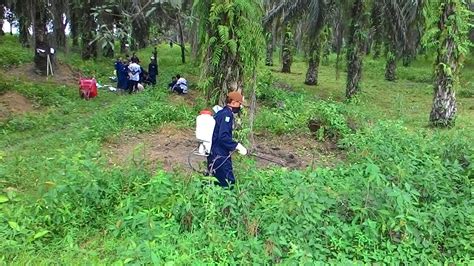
(155, 258)
(40, 234)
(14, 226)
(127, 260)
(3, 199)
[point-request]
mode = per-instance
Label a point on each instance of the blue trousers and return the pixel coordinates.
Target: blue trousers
(221, 168)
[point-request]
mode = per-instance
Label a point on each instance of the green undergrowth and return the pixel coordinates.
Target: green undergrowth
(404, 198)
(285, 112)
(403, 195)
(12, 53)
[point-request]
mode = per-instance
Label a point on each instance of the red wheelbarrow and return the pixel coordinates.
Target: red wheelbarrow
(87, 88)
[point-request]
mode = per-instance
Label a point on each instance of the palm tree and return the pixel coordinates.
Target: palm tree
(2, 10)
(355, 48)
(75, 13)
(287, 50)
(89, 46)
(58, 8)
(232, 37)
(39, 18)
(452, 40)
(270, 33)
(377, 20)
(311, 11)
(21, 12)
(315, 23)
(394, 22)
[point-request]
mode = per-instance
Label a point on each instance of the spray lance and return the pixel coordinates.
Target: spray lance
(266, 159)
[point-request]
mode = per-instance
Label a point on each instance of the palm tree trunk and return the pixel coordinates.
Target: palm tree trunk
(286, 57)
(2, 7)
(391, 69)
(444, 108)
(355, 50)
(74, 24)
(23, 31)
(269, 53)
(58, 25)
(299, 37)
(89, 47)
(313, 66)
(181, 38)
(194, 40)
(41, 42)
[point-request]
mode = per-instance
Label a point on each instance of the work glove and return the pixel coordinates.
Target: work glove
(241, 149)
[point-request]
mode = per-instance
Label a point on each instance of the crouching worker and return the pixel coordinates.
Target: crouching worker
(219, 162)
(181, 85)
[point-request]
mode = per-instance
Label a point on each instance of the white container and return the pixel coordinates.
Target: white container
(205, 124)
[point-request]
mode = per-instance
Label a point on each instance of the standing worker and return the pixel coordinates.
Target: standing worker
(152, 70)
(219, 162)
(121, 69)
(134, 71)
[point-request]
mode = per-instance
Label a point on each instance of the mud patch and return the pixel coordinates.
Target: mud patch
(169, 147)
(296, 152)
(63, 74)
(12, 103)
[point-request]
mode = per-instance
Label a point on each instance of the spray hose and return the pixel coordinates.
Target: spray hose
(211, 169)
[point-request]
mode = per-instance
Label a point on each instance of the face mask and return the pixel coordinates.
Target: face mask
(236, 110)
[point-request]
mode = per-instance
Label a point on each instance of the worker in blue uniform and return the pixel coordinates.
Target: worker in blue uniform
(152, 70)
(219, 161)
(121, 69)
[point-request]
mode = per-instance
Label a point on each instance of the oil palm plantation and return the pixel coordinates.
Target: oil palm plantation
(394, 21)
(312, 12)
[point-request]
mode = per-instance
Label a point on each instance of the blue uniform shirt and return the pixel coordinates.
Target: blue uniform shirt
(219, 162)
(222, 142)
(122, 82)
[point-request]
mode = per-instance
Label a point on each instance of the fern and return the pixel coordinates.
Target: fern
(234, 42)
(223, 33)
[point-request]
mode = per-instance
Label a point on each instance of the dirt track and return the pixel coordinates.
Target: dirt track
(168, 148)
(13, 103)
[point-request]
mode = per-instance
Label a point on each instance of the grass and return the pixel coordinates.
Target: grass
(408, 99)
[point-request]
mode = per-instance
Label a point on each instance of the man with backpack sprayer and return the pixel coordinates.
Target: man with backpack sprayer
(219, 162)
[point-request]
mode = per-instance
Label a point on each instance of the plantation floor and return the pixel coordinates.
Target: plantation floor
(408, 99)
(169, 148)
(13, 103)
(63, 74)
